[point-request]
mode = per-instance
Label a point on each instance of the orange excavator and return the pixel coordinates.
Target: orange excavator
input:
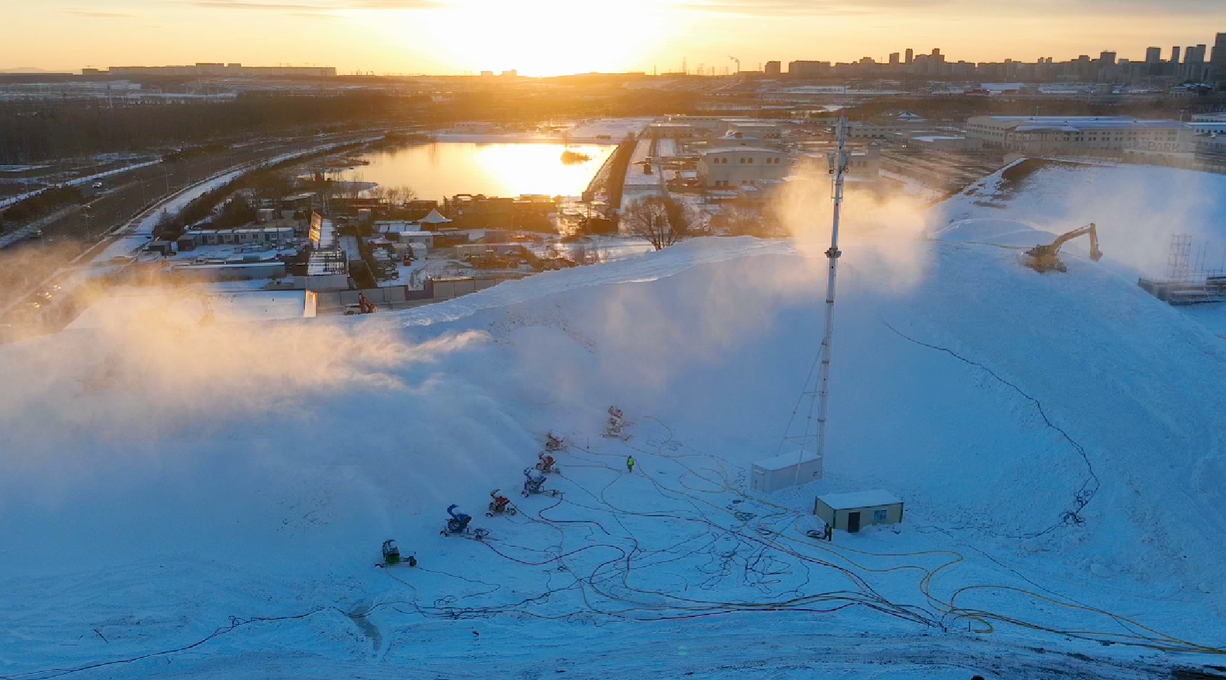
(1044, 259)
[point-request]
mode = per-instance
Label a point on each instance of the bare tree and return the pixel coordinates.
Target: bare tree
(354, 187)
(400, 195)
(660, 221)
(741, 219)
(682, 217)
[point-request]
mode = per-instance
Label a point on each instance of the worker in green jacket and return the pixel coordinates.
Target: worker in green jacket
(630, 464)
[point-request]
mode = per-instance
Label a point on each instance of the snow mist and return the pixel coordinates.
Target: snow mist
(878, 227)
(165, 370)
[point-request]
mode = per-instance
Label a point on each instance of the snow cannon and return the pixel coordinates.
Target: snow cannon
(458, 525)
(547, 464)
(534, 484)
(617, 421)
(500, 505)
(391, 552)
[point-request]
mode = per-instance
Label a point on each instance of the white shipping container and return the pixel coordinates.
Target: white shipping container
(780, 472)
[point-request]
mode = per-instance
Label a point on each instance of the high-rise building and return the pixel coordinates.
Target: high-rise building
(809, 69)
(1217, 62)
(774, 68)
(1194, 62)
(894, 59)
(1106, 59)
(1153, 55)
(910, 56)
(1175, 54)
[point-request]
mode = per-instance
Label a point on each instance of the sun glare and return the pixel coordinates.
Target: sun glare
(536, 38)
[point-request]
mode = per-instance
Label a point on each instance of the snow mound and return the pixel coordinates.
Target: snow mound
(1138, 209)
(210, 502)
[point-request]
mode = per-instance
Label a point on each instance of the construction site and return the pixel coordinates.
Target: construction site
(1193, 277)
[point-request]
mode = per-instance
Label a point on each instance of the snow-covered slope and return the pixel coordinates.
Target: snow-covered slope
(216, 497)
(1137, 208)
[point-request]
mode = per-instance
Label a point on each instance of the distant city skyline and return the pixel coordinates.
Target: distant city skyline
(553, 37)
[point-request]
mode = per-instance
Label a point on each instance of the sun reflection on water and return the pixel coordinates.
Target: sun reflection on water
(439, 170)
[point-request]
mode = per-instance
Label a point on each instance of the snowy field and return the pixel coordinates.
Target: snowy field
(209, 502)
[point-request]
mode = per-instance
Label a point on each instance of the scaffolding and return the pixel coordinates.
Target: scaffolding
(1191, 275)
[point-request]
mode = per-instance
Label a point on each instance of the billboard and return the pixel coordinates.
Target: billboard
(317, 228)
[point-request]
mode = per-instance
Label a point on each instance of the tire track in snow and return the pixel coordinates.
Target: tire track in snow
(1089, 488)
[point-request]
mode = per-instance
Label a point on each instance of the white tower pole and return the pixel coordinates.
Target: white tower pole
(839, 168)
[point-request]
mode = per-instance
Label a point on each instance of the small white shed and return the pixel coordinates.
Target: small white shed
(781, 472)
(852, 511)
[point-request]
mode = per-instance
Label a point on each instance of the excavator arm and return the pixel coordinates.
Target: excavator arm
(1091, 229)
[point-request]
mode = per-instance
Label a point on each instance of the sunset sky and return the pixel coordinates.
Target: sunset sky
(549, 37)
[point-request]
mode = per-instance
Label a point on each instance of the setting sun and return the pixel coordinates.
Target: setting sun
(541, 38)
(553, 37)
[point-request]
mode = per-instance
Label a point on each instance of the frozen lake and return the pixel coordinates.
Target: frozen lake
(444, 169)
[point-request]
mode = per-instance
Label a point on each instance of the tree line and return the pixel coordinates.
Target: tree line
(40, 131)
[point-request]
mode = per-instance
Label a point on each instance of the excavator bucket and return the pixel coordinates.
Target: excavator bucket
(1095, 253)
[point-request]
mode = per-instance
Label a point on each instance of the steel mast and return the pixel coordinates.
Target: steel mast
(838, 168)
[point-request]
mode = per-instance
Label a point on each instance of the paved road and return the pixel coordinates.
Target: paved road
(72, 235)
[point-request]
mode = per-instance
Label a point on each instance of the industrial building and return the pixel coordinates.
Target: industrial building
(705, 125)
(1211, 148)
(758, 129)
(217, 70)
(671, 130)
(862, 164)
(1081, 134)
(419, 232)
(852, 511)
(214, 237)
(953, 143)
(1209, 123)
(809, 69)
(327, 270)
(408, 233)
(735, 138)
(870, 130)
(736, 166)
